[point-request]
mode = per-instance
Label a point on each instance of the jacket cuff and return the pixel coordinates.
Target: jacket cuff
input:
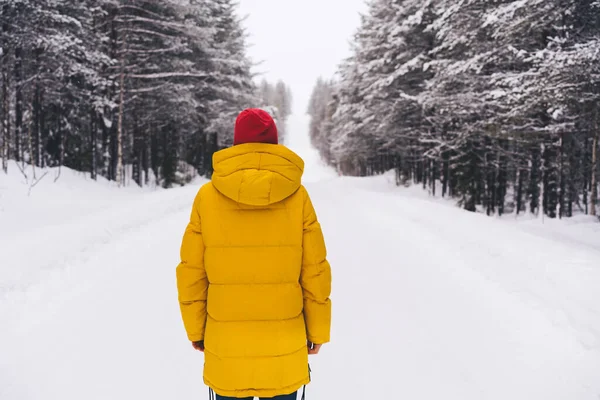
(195, 338)
(318, 340)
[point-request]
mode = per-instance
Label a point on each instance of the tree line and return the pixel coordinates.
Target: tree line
(279, 99)
(131, 90)
(494, 103)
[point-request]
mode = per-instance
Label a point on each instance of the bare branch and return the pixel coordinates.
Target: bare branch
(36, 182)
(148, 32)
(162, 75)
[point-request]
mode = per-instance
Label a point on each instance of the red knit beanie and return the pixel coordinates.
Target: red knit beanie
(255, 126)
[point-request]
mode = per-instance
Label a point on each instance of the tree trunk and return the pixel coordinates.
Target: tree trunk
(520, 191)
(561, 193)
(119, 175)
(154, 156)
(18, 153)
(37, 113)
(140, 179)
(32, 160)
(534, 180)
(425, 172)
(106, 145)
(6, 142)
(502, 183)
(4, 148)
(434, 177)
(398, 169)
(94, 139)
(551, 178)
(37, 155)
(594, 185)
(491, 182)
(446, 173)
(586, 178)
(5, 155)
(502, 177)
(147, 151)
(138, 151)
(211, 148)
(43, 132)
(61, 138)
(545, 180)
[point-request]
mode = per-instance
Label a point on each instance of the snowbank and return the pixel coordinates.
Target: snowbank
(50, 226)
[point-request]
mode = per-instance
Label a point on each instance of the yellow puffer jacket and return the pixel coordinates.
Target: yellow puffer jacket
(253, 281)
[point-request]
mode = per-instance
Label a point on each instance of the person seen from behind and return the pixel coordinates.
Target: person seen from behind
(254, 282)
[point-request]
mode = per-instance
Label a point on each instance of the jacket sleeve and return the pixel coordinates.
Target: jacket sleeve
(315, 278)
(192, 282)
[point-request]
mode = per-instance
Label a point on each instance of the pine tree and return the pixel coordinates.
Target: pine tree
(232, 88)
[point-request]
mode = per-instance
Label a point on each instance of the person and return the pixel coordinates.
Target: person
(254, 282)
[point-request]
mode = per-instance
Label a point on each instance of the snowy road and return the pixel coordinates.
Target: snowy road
(429, 303)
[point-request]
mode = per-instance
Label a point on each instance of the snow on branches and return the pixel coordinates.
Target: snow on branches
(494, 101)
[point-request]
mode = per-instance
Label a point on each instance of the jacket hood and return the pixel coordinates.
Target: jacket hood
(257, 174)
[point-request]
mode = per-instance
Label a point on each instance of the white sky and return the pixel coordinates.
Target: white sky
(300, 40)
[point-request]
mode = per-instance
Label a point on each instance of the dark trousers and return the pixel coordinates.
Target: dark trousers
(284, 397)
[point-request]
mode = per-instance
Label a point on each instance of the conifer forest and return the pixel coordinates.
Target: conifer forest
(137, 91)
(493, 103)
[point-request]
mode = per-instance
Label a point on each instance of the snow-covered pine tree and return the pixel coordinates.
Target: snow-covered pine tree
(320, 112)
(5, 59)
(232, 84)
(463, 104)
(283, 102)
(403, 128)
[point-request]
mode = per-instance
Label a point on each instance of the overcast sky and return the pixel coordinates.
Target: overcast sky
(300, 40)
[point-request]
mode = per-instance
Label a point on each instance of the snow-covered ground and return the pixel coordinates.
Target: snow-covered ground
(430, 302)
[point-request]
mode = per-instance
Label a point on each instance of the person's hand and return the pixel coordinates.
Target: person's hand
(198, 345)
(313, 348)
